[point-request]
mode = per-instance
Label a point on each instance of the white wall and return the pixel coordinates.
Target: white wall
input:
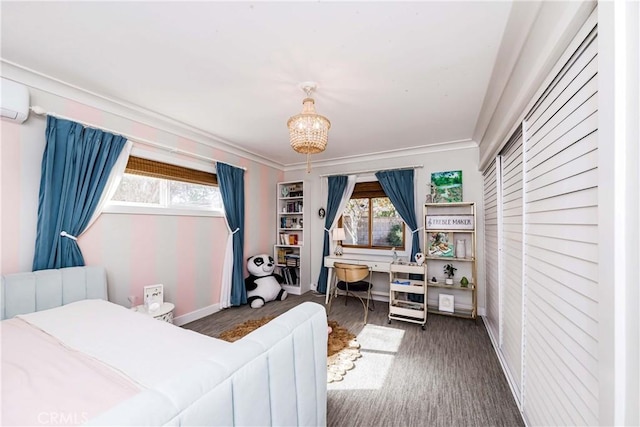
(460, 156)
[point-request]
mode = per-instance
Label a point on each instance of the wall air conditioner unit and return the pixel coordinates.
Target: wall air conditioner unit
(14, 99)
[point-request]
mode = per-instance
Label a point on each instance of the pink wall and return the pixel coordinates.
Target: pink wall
(184, 253)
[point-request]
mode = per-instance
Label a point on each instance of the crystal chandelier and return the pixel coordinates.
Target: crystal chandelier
(308, 131)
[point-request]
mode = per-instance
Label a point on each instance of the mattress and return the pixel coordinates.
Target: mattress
(98, 354)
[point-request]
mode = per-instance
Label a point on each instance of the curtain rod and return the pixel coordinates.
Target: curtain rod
(42, 112)
(371, 170)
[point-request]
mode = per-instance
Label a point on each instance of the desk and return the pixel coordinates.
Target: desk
(377, 263)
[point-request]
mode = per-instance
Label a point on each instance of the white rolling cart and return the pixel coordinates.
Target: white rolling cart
(401, 287)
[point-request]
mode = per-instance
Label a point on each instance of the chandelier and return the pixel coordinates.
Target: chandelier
(308, 131)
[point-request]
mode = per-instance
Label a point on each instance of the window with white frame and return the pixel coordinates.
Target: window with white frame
(157, 185)
(370, 220)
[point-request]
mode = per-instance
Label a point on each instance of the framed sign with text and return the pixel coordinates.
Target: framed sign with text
(449, 222)
(153, 297)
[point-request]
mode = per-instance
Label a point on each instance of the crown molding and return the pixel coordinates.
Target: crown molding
(125, 110)
(461, 144)
(135, 113)
(521, 19)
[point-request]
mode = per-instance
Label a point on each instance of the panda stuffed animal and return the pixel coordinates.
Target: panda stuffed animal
(262, 284)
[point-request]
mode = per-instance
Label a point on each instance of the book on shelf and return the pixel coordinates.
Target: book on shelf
(288, 239)
(292, 260)
(294, 190)
(287, 222)
(282, 254)
(290, 275)
(294, 207)
(440, 245)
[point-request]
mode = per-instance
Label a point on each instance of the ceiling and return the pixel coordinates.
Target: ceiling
(390, 75)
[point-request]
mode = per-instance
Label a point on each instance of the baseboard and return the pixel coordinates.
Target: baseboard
(505, 371)
(380, 296)
(195, 315)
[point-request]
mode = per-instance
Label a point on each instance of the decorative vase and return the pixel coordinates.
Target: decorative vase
(464, 282)
(460, 249)
(448, 281)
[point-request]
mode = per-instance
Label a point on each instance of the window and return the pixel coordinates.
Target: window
(156, 185)
(370, 220)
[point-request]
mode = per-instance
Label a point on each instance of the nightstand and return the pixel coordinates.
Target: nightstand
(164, 313)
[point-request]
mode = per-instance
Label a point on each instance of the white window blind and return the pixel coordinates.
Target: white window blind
(511, 257)
(561, 269)
(492, 290)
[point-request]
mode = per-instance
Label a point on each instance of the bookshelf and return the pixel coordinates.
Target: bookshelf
(450, 238)
(289, 249)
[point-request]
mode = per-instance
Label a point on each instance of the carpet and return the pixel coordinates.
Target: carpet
(342, 347)
(379, 346)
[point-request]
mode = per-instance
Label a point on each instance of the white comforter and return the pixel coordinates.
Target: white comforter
(66, 387)
(109, 332)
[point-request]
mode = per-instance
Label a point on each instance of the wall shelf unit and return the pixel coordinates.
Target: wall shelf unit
(289, 250)
(450, 238)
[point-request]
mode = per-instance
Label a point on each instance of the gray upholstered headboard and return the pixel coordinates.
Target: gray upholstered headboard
(23, 293)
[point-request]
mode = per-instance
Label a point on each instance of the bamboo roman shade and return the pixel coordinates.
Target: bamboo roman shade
(364, 190)
(154, 169)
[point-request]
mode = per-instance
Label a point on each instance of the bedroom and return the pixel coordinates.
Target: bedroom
(185, 253)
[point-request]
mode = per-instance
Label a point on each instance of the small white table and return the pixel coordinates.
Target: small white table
(164, 313)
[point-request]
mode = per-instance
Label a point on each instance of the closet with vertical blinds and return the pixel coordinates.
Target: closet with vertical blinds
(541, 247)
(510, 260)
(491, 249)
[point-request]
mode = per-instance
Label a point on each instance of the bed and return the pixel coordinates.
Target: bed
(70, 357)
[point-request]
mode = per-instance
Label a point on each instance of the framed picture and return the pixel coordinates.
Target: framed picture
(153, 297)
(446, 187)
(441, 245)
(445, 303)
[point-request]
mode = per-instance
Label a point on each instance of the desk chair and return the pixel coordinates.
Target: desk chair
(349, 278)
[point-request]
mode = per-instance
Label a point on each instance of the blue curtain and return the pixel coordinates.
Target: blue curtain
(231, 184)
(398, 185)
(76, 165)
(336, 185)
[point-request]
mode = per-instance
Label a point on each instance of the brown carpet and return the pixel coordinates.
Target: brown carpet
(244, 328)
(342, 347)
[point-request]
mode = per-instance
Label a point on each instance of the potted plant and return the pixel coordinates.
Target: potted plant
(464, 282)
(449, 270)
